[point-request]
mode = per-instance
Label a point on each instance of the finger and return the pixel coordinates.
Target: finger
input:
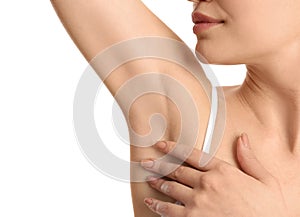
(191, 156)
(248, 161)
(172, 189)
(165, 208)
(183, 174)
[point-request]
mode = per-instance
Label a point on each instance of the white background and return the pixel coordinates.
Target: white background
(42, 170)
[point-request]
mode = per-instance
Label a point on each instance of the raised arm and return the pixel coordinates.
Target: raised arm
(95, 25)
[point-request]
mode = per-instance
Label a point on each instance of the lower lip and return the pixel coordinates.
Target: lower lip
(200, 27)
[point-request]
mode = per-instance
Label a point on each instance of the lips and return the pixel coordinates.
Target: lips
(201, 18)
(203, 22)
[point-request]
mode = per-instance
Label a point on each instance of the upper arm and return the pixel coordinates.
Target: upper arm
(95, 25)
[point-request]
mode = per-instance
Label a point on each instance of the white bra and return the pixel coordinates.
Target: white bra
(212, 121)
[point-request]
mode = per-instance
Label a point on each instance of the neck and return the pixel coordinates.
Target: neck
(272, 92)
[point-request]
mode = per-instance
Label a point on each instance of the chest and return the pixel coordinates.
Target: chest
(281, 164)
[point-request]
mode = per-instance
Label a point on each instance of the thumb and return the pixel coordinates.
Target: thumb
(248, 161)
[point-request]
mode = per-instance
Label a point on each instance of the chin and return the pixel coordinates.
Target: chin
(207, 55)
(216, 56)
(209, 59)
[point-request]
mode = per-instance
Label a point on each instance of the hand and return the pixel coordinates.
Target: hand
(217, 189)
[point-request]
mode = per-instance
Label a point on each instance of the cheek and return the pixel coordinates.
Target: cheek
(254, 35)
(252, 29)
(264, 33)
(267, 29)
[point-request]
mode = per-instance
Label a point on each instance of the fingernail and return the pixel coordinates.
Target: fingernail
(148, 201)
(244, 140)
(165, 188)
(147, 163)
(161, 145)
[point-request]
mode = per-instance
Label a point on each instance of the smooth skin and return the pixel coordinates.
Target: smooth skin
(95, 25)
(218, 188)
(263, 35)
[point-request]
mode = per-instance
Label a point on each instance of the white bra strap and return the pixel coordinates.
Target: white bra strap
(211, 121)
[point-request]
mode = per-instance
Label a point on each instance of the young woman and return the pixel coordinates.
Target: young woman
(263, 35)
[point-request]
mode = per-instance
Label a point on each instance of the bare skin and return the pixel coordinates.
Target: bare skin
(216, 189)
(266, 105)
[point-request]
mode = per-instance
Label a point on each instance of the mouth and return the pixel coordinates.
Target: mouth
(201, 18)
(203, 22)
